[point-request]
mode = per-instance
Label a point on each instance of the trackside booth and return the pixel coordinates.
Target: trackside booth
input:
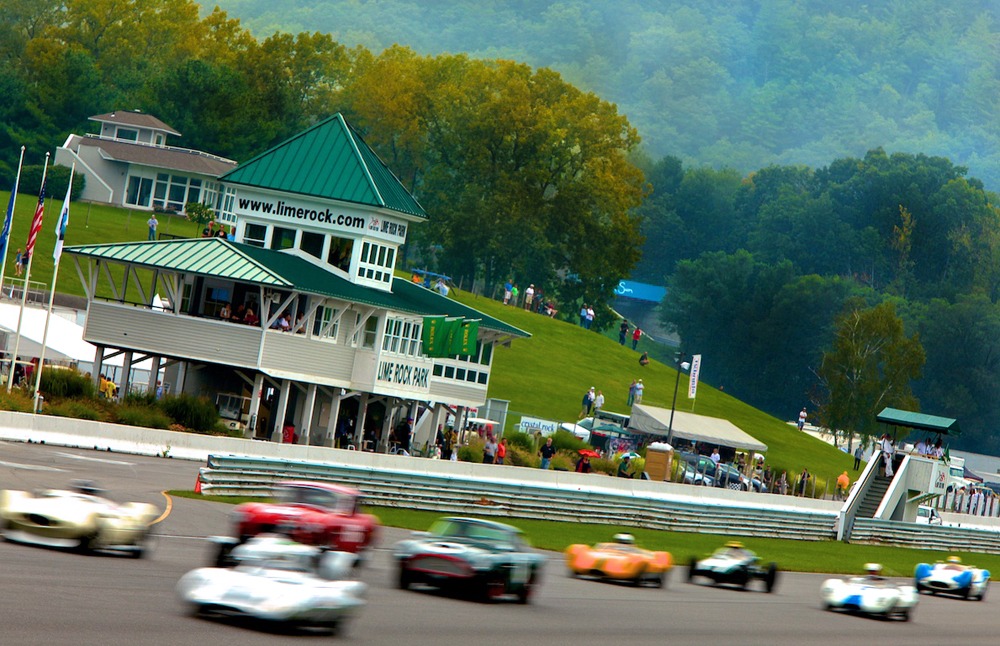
(655, 422)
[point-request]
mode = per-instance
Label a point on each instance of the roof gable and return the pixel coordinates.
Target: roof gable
(134, 118)
(330, 160)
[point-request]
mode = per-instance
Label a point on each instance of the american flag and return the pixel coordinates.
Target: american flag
(36, 223)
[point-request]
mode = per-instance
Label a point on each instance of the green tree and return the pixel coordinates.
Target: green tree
(871, 365)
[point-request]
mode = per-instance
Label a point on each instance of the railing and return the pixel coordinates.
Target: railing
(245, 476)
(849, 512)
(933, 537)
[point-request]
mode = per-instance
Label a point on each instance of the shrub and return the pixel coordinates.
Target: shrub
(146, 398)
(58, 382)
(16, 400)
(603, 465)
(76, 408)
(473, 451)
(519, 457)
(524, 441)
(196, 413)
(563, 462)
(566, 441)
(140, 415)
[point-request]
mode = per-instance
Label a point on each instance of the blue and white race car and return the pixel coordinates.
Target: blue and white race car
(952, 577)
(871, 595)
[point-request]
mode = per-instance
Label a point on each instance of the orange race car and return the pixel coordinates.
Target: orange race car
(620, 560)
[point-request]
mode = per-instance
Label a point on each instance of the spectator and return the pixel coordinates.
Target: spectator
(624, 467)
(859, 452)
(782, 485)
(803, 481)
(636, 334)
(623, 332)
(631, 394)
(152, 223)
(598, 401)
(583, 316)
(529, 295)
(590, 317)
(716, 458)
(501, 451)
(644, 359)
(17, 261)
(547, 451)
(638, 392)
(508, 290)
(888, 450)
(802, 418)
(490, 450)
(588, 402)
(583, 464)
(843, 483)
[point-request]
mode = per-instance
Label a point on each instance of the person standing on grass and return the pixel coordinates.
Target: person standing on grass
(636, 335)
(859, 453)
(631, 394)
(17, 261)
(802, 418)
(152, 223)
(598, 401)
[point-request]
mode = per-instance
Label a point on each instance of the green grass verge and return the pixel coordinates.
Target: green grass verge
(791, 555)
(545, 376)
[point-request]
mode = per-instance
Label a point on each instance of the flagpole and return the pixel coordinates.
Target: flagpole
(57, 255)
(27, 274)
(8, 223)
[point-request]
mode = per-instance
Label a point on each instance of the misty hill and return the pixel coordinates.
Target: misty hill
(736, 83)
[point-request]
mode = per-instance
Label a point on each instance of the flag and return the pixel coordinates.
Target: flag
(36, 223)
(694, 374)
(431, 334)
(5, 234)
(63, 221)
(463, 338)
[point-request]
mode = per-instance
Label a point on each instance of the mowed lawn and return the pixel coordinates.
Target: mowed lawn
(88, 224)
(544, 376)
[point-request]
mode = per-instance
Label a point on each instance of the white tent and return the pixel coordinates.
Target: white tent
(688, 426)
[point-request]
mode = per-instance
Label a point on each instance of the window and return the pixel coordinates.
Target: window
(194, 192)
(139, 190)
(159, 139)
(127, 134)
(340, 253)
(255, 234)
(324, 316)
(376, 262)
(312, 243)
(282, 238)
(402, 337)
(368, 333)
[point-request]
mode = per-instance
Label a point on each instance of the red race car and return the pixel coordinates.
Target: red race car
(312, 513)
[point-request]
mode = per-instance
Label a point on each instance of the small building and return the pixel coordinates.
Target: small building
(129, 164)
(298, 322)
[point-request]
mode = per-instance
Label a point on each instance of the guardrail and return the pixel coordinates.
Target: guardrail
(931, 537)
(247, 476)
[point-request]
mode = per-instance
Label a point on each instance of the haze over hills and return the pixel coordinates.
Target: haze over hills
(736, 83)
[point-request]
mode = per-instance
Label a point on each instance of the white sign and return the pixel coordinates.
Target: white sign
(317, 215)
(401, 374)
(533, 424)
(693, 379)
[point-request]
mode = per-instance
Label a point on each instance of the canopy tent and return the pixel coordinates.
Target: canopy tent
(696, 428)
(919, 421)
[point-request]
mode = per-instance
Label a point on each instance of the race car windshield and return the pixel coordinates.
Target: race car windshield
(315, 497)
(619, 547)
(470, 531)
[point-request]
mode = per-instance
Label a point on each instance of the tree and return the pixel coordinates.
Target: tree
(871, 365)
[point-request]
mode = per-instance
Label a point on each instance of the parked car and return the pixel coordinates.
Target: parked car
(81, 518)
(701, 470)
(479, 558)
(927, 515)
(312, 513)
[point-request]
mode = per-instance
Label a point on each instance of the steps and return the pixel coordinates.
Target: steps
(873, 497)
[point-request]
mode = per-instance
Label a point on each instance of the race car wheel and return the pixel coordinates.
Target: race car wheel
(335, 628)
(223, 555)
(904, 615)
(691, 569)
(492, 589)
(741, 578)
(661, 581)
(87, 544)
(965, 593)
(982, 594)
(527, 591)
(405, 579)
(771, 577)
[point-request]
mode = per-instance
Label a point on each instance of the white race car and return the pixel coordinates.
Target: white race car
(870, 594)
(275, 579)
(79, 519)
(952, 577)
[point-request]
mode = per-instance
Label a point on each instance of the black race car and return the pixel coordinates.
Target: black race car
(735, 565)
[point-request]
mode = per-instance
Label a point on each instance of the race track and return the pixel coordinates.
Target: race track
(53, 597)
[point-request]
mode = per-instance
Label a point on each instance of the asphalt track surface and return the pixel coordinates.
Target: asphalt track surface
(55, 597)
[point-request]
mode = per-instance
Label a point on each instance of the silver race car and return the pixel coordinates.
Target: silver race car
(274, 579)
(80, 518)
(870, 595)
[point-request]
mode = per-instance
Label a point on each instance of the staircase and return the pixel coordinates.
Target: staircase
(873, 497)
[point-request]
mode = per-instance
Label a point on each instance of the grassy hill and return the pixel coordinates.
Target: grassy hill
(545, 376)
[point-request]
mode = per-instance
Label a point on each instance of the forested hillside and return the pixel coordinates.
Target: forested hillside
(739, 83)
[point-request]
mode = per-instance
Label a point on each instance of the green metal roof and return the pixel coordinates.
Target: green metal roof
(246, 263)
(330, 160)
(204, 256)
(919, 421)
